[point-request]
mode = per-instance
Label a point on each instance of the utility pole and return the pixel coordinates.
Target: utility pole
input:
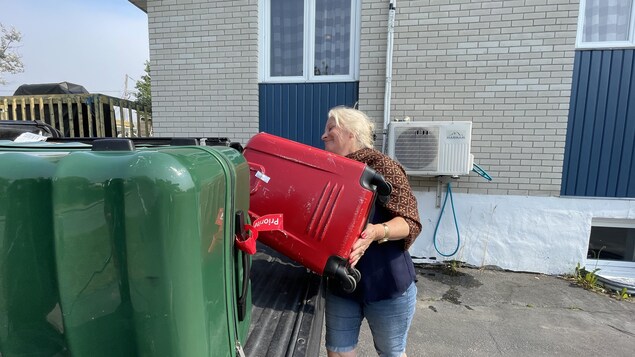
(125, 95)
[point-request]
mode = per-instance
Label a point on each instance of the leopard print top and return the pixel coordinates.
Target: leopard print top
(402, 201)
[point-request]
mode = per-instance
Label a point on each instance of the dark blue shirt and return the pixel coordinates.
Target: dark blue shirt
(387, 269)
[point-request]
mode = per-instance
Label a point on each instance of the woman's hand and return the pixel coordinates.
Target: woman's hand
(370, 234)
(397, 229)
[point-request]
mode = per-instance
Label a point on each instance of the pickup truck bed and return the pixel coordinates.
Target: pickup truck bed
(288, 307)
(288, 300)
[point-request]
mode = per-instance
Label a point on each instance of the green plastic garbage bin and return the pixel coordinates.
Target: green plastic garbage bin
(112, 250)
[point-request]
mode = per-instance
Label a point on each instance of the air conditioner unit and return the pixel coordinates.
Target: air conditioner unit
(432, 148)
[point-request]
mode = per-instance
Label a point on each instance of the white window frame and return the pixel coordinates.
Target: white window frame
(630, 43)
(610, 266)
(264, 43)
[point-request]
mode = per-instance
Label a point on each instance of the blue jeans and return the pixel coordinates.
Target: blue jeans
(389, 321)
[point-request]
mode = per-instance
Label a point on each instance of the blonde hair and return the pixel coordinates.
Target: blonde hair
(356, 122)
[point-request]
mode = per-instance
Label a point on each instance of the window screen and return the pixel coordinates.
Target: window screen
(332, 37)
(287, 38)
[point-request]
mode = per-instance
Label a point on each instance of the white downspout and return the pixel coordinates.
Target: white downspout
(387, 92)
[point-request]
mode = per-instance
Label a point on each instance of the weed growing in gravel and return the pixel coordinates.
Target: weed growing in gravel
(623, 295)
(587, 279)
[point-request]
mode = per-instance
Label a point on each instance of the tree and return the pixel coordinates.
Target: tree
(143, 94)
(10, 61)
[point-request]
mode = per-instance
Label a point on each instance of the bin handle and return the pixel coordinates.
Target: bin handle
(257, 182)
(246, 243)
(246, 234)
(242, 299)
(384, 188)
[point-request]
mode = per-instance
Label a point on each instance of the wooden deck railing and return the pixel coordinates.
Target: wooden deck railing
(80, 115)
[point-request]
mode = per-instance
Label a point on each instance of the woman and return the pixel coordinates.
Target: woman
(386, 294)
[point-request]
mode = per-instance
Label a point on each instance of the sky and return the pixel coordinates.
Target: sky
(94, 43)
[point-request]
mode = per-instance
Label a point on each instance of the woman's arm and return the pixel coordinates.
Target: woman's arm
(402, 202)
(395, 229)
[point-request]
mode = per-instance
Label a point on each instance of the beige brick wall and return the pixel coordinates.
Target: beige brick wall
(504, 65)
(204, 67)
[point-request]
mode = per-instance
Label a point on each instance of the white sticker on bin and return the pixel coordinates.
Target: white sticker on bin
(263, 177)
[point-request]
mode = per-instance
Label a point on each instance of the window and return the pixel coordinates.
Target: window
(286, 38)
(606, 24)
(309, 41)
(612, 243)
(612, 251)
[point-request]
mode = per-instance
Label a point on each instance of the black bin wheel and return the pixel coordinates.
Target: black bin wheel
(355, 274)
(349, 284)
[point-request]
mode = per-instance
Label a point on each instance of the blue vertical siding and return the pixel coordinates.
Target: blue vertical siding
(297, 111)
(599, 160)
